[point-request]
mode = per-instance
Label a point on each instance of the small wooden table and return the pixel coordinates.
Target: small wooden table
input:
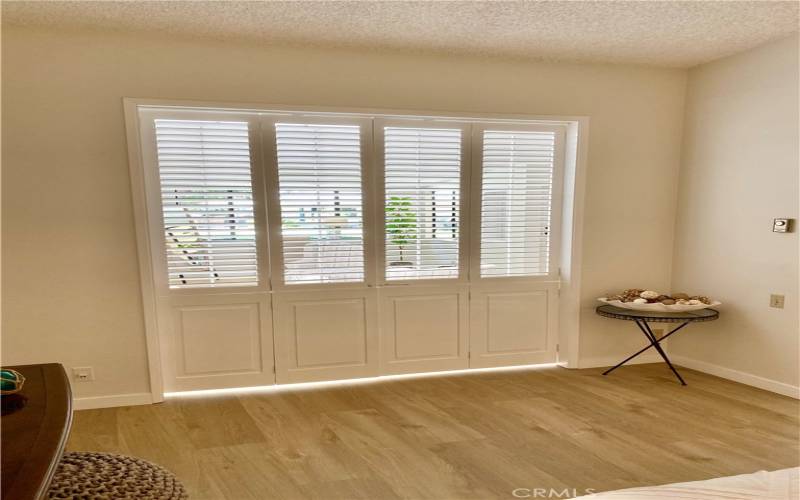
(34, 436)
(641, 318)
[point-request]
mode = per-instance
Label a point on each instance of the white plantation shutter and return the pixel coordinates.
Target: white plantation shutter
(322, 222)
(422, 172)
(516, 202)
(207, 203)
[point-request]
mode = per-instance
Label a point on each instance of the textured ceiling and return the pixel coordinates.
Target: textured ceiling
(657, 33)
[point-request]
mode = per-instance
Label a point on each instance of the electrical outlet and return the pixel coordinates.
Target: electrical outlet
(776, 301)
(83, 374)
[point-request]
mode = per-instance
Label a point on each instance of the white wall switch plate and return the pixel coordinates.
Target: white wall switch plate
(83, 373)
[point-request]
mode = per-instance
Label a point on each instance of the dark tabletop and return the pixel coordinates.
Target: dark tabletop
(34, 430)
(656, 316)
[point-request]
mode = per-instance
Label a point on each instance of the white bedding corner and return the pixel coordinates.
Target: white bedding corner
(781, 484)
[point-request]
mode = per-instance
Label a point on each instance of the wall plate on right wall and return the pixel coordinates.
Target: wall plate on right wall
(782, 225)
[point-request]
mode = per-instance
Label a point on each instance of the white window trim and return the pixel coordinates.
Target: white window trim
(570, 272)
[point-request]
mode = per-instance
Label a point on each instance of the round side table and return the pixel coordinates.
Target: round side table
(642, 318)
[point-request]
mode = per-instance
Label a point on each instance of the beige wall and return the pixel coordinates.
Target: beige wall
(70, 283)
(740, 170)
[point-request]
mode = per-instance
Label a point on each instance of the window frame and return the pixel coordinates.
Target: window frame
(274, 224)
(154, 202)
(464, 198)
(557, 198)
(263, 151)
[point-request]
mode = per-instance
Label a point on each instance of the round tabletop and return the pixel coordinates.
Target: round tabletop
(656, 316)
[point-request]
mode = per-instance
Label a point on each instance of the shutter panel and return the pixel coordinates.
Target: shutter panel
(322, 222)
(207, 203)
(516, 199)
(422, 172)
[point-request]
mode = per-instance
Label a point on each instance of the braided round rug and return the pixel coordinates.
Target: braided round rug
(106, 476)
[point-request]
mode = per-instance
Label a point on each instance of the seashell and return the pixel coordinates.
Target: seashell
(642, 296)
(701, 298)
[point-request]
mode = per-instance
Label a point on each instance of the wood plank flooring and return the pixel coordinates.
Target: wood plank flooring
(457, 437)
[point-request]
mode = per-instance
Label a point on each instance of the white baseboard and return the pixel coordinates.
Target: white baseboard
(792, 391)
(603, 361)
(142, 398)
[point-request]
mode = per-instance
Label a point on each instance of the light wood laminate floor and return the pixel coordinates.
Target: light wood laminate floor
(467, 436)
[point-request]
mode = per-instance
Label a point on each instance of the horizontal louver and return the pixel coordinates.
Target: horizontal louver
(319, 177)
(422, 168)
(207, 203)
(516, 198)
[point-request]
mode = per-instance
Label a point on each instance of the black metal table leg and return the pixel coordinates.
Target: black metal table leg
(643, 319)
(656, 343)
(627, 359)
(644, 348)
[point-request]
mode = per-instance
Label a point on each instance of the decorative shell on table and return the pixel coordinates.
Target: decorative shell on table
(11, 382)
(639, 299)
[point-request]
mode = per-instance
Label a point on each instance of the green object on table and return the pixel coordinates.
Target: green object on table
(11, 381)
